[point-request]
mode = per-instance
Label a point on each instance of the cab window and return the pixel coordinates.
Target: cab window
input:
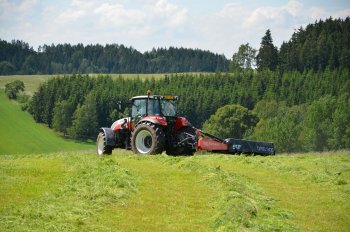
(138, 107)
(153, 107)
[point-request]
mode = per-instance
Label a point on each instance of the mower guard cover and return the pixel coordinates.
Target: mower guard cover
(247, 146)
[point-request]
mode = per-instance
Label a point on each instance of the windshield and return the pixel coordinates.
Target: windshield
(139, 107)
(168, 108)
(165, 108)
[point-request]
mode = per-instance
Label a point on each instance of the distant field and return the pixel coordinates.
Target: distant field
(20, 134)
(32, 82)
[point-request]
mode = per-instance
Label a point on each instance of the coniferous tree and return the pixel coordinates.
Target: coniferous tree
(268, 54)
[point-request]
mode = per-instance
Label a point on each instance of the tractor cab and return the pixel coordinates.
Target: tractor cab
(154, 105)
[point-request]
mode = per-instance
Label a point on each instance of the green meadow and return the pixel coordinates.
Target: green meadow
(19, 134)
(49, 183)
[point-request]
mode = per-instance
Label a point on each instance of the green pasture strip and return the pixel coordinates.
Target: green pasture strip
(314, 188)
(144, 76)
(85, 187)
(19, 134)
(141, 76)
(31, 82)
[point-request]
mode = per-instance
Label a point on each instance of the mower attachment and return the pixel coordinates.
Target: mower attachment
(208, 142)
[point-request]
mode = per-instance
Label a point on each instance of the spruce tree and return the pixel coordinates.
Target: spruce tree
(268, 53)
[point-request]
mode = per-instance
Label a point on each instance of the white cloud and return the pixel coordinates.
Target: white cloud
(275, 15)
(173, 14)
(342, 14)
(129, 18)
(232, 10)
(118, 15)
(27, 5)
(20, 10)
(294, 8)
(70, 16)
(317, 13)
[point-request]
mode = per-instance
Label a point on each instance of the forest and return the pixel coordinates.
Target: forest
(17, 57)
(298, 96)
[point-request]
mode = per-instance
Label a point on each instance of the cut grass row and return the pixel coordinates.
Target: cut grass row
(125, 192)
(315, 188)
(64, 200)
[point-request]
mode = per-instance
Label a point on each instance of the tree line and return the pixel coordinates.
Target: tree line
(17, 57)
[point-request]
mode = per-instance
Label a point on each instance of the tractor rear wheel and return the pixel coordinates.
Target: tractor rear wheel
(102, 148)
(147, 138)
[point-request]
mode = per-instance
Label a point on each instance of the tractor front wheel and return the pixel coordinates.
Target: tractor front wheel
(102, 148)
(147, 138)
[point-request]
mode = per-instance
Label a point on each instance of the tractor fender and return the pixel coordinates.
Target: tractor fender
(181, 122)
(157, 120)
(110, 136)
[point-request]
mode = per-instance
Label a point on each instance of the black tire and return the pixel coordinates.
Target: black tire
(148, 139)
(102, 148)
(181, 135)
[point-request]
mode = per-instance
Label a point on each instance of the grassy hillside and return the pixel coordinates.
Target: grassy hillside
(125, 192)
(20, 134)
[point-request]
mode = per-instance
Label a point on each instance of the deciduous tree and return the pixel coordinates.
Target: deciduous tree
(231, 121)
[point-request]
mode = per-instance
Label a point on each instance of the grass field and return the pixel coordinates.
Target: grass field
(20, 134)
(77, 191)
(51, 184)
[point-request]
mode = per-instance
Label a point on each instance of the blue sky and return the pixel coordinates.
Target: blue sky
(220, 26)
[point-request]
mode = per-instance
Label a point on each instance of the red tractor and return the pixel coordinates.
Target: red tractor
(154, 126)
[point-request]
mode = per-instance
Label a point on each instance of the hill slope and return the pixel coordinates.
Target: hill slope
(20, 134)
